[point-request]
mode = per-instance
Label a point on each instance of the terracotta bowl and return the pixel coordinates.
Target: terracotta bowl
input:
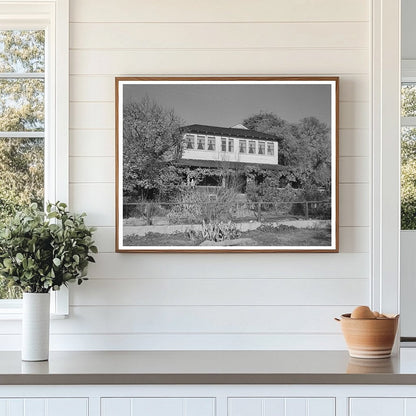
(369, 338)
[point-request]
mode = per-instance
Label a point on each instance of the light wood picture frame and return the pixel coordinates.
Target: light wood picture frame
(227, 164)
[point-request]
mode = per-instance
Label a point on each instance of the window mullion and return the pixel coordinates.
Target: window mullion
(22, 75)
(408, 121)
(22, 134)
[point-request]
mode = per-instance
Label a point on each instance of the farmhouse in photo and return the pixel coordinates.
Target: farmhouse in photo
(235, 147)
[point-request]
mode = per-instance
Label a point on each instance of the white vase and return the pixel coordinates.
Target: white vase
(35, 326)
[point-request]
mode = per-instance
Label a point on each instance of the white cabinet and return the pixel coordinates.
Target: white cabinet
(281, 406)
(44, 407)
(160, 406)
(382, 406)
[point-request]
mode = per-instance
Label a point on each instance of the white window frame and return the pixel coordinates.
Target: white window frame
(53, 17)
(385, 151)
(270, 145)
(240, 141)
(230, 141)
(213, 141)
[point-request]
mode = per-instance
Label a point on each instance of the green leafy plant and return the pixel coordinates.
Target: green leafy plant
(43, 251)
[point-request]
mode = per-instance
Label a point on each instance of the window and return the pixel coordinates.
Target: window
(211, 143)
(242, 146)
(408, 156)
(262, 148)
(270, 149)
(231, 145)
(252, 146)
(201, 142)
(22, 123)
(190, 141)
(33, 112)
(223, 144)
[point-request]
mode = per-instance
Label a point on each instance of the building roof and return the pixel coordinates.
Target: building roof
(229, 132)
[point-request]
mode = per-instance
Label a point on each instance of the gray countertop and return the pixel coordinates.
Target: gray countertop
(208, 367)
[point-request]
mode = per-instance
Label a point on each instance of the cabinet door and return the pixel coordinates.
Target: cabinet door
(44, 407)
(160, 406)
(382, 407)
(269, 406)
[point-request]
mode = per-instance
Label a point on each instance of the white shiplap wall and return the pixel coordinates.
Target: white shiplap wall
(181, 301)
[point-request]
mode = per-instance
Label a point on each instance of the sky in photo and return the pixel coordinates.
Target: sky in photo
(228, 105)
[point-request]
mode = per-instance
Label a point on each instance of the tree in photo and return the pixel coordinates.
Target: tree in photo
(152, 143)
(272, 124)
(315, 151)
(305, 145)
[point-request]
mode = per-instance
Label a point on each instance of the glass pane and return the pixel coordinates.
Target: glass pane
(21, 173)
(408, 178)
(21, 182)
(408, 101)
(22, 51)
(223, 144)
(22, 104)
(211, 143)
(201, 142)
(190, 141)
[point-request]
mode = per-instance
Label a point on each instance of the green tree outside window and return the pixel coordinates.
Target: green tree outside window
(22, 124)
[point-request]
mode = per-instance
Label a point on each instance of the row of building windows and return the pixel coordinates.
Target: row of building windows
(227, 145)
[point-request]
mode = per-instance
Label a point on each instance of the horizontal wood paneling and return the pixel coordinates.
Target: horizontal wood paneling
(354, 142)
(201, 319)
(92, 88)
(354, 208)
(96, 199)
(218, 11)
(354, 115)
(99, 88)
(94, 143)
(249, 265)
(299, 37)
(194, 320)
(218, 35)
(220, 291)
(219, 62)
(86, 169)
(146, 342)
(92, 115)
(354, 170)
(352, 239)
(104, 238)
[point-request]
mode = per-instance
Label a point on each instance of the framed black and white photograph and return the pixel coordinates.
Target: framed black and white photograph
(227, 164)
